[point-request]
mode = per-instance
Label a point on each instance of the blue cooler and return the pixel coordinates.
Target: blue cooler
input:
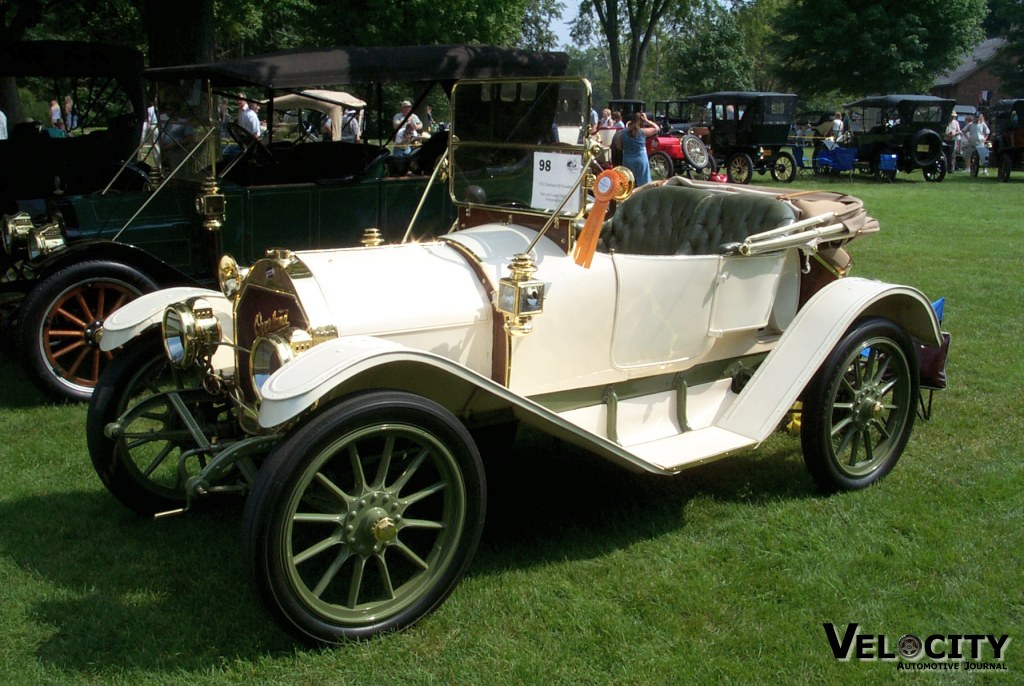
(887, 162)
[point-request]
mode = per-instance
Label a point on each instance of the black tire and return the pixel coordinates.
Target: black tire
(925, 147)
(1005, 167)
(975, 164)
(661, 165)
(936, 172)
(58, 320)
(784, 168)
(695, 152)
(860, 403)
(380, 572)
(739, 167)
(141, 464)
(705, 173)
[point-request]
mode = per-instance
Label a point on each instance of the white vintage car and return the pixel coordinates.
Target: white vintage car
(348, 392)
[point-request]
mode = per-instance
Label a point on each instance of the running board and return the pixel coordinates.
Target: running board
(690, 449)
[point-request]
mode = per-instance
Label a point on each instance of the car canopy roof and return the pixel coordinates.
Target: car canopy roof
(331, 103)
(896, 100)
(305, 68)
(726, 97)
(57, 59)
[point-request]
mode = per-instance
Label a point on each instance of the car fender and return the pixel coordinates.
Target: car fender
(344, 366)
(135, 317)
(814, 332)
(80, 251)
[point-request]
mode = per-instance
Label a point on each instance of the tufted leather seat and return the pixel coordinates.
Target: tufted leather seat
(675, 220)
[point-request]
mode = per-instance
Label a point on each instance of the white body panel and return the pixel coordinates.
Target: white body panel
(129, 321)
(424, 296)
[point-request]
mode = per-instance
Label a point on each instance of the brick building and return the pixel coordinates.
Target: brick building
(973, 82)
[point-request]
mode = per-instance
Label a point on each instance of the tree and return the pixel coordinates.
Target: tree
(871, 46)
(709, 51)
(756, 21)
(1009, 63)
(627, 26)
(537, 32)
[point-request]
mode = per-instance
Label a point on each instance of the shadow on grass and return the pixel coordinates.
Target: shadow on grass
(123, 592)
(173, 596)
(19, 392)
(550, 501)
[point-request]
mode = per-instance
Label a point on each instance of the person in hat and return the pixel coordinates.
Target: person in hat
(952, 137)
(407, 113)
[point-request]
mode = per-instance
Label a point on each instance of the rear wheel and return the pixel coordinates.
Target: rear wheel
(740, 168)
(661, 165)
(858, 410)
(365, 519)
(59, 318)
(784, 168)
(1005, 167)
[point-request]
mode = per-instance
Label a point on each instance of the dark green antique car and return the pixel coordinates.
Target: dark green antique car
(75, 255)
(898, 133)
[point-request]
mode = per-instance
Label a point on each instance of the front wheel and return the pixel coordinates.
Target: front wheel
(858, 410)
(661, 165)
(740, 168)
(59, 318)
(975, 164)
(142, 423)
(784, 168)
(365, 519)
(936, 172)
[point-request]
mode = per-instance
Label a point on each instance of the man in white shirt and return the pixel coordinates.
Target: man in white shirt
(247, 118)
(396, 121)
(3, 126)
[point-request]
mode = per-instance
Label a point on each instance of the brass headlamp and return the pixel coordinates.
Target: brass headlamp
(190, 330)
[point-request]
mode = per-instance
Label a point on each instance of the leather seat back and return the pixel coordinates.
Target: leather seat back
(676, 220)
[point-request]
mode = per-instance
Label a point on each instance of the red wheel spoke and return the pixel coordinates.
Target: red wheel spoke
(84, 305)
(65, 333)
(67, 315)
(66, 349)
(77, 363)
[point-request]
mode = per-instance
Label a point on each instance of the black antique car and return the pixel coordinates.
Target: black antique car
(898, 133)
(1007, 139)
(78, 256)
(748, 131)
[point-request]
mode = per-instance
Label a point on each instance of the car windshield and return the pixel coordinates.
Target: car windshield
(519, 144)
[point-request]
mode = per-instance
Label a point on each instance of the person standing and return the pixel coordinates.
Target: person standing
(247, 117)
(975, 133)
(837, 126)
(406, 113)
(3, 126)
(953, 141)
(54, 114)
(70, 118)
(634, 146)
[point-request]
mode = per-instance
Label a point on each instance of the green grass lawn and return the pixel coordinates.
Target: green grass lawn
(588, 574)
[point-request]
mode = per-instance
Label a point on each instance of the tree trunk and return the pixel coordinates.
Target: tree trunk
(10, 103)
(180, 32)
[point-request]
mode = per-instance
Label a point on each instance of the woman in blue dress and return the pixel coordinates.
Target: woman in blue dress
(634, 146)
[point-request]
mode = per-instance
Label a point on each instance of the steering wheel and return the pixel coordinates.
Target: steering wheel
(249, 143)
